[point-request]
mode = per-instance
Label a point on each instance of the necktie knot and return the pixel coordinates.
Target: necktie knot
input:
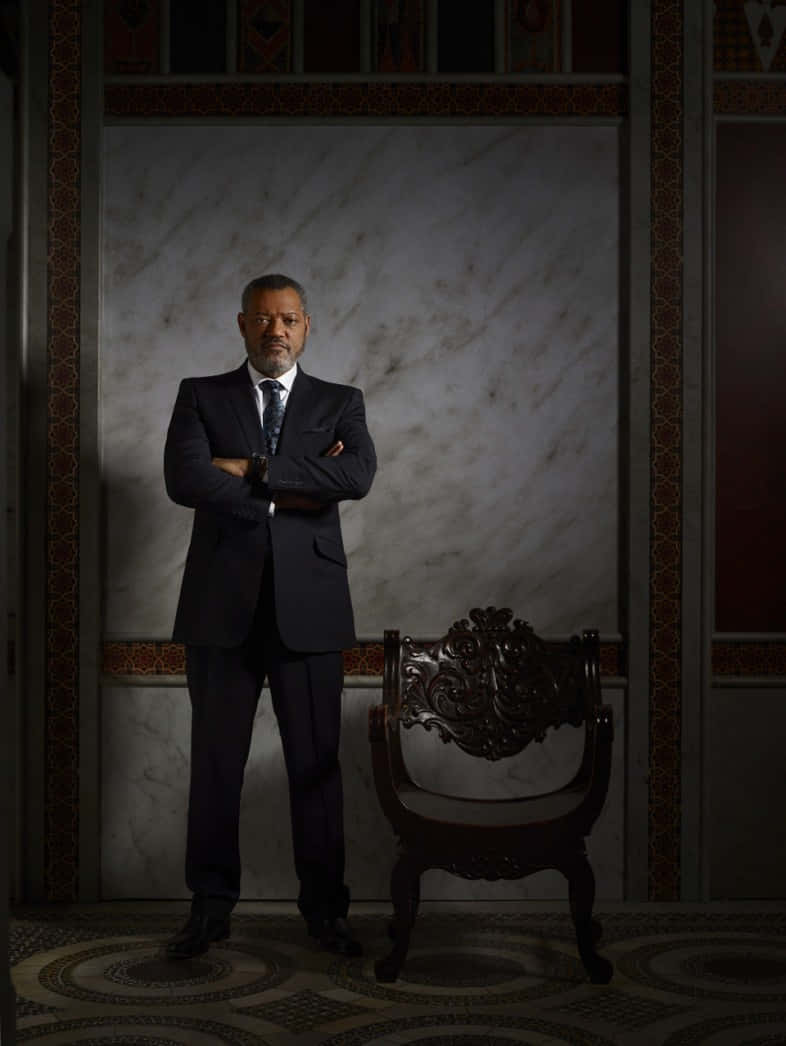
(273, 414)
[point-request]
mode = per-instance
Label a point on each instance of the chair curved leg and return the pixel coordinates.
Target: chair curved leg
(405, 894)
(415, 904)
(581, 886)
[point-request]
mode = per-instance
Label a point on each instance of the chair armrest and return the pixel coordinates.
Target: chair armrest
(597, 758)
(386, 762)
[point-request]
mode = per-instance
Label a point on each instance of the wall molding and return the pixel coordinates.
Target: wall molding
(753, 658)
(61, 854)
(363, 99)
(138, 659)
(666, 466)
(746, 97)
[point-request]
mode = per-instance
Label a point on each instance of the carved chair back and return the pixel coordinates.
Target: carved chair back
(490, 686)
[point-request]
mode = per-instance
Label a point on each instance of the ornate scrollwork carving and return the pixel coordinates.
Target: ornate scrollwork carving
(491, 687)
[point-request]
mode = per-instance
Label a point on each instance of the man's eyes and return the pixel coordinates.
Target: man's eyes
(263, 321)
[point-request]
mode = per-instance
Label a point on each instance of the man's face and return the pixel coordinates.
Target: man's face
(274, 328)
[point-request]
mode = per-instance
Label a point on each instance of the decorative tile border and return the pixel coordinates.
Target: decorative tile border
(749, 658)
(666, 450)
(612, 659)
(160, 657)
(750, 97)
(200, 101)
(62, 493)
(157, 657)
(153, 657)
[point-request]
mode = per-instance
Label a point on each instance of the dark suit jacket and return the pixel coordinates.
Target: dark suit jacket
(217, 417)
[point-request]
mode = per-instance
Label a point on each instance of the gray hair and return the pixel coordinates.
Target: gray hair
(273, 281)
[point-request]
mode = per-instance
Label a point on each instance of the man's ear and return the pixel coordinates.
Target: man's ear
(307, 324)
(241, 322)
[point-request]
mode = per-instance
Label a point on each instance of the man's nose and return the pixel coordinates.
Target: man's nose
(277, 327)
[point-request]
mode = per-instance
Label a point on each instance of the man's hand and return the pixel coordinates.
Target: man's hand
(234, 466)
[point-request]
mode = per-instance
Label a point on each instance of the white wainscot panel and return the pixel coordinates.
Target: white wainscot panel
(466, 278)
(145, 795)
(145, 800)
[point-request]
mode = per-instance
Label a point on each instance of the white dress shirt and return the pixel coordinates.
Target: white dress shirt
(262, 396)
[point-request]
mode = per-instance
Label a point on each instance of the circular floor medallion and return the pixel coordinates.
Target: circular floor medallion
(461, 970)
(739, 968)
(459, 1039)
(736, 1029)
(160, 973)
(729, 968)
(126, 1040)
(477, 976)
(126, 972)
(471, 1030)
(139, 1030)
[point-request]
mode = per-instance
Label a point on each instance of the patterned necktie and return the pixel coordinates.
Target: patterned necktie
(273, 415)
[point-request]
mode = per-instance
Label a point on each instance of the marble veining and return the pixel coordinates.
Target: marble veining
(145, 734)
(465, 277)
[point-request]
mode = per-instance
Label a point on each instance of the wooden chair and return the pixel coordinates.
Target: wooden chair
(492, 688)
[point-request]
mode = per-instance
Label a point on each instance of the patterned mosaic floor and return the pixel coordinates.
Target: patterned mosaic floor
(92, 976)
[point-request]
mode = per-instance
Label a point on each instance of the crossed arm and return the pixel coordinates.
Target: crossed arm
(240, 467)
(196, 478)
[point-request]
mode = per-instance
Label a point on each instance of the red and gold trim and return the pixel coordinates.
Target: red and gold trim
(156, 657)
(747, 657)
(666, 450)
(62, 489)
(201, 101)
(749, 98)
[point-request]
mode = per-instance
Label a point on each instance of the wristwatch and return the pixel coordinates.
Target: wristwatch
(258, 469)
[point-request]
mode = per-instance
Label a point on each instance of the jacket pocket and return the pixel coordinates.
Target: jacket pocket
(330, 549)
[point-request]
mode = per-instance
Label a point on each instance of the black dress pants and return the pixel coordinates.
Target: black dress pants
(224, 686)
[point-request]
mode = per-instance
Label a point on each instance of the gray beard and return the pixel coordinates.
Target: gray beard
(276, 366)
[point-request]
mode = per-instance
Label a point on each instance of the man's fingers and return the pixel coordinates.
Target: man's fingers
(335, 450)
(234, 466)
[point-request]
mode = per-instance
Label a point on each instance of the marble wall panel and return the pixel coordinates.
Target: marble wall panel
(145, 793)
(465, 277)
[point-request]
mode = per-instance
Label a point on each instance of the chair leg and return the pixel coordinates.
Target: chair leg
(581, 886)
(405, 894)
(415, 897)
(415, 904)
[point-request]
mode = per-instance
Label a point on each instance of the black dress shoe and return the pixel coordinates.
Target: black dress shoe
(335, 936)
(201, 930)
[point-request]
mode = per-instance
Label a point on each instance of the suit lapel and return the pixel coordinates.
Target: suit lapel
(243, 400)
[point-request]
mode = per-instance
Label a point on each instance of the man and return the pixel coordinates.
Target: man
(264, 454)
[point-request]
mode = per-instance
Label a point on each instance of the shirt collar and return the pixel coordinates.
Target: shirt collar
(285, 379)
